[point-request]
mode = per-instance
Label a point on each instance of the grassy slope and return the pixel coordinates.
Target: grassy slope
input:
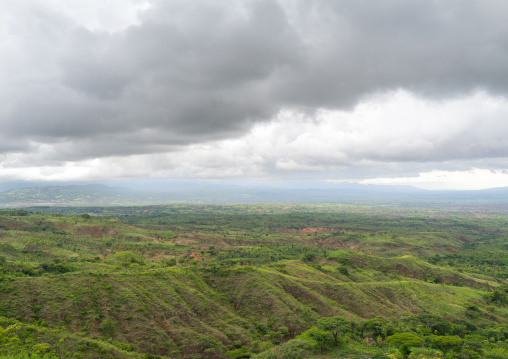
(161, 311)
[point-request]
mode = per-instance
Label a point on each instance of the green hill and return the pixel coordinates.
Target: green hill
(195, 283)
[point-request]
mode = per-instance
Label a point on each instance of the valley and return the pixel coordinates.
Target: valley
(259, 281)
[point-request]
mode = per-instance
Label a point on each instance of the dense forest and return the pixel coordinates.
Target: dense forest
(254, 281)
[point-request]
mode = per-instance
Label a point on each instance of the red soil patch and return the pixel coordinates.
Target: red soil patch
(195, 256)
(310, 230)
(96, 232)
(449, 250)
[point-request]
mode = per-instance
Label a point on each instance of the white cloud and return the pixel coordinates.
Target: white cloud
(474, 179)
(440, 144)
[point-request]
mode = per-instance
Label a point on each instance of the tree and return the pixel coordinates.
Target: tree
(238, 353)
(446, 343)
(405, 341)
(322, 338)
(308, 257)
(126, 258)
(335, 326)
(499, 297)
(434, 323)
(377, 327)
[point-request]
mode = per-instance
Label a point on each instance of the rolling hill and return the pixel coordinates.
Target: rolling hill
(209, 281)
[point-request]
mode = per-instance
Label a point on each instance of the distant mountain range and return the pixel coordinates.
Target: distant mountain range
(167, 192)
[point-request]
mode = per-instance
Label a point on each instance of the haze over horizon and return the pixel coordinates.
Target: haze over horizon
(386, 92)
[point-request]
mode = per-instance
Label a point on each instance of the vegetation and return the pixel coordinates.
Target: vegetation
(254, 281)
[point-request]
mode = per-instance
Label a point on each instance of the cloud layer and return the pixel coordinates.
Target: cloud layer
(339, 88)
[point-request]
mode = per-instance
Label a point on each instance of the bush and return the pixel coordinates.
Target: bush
(238, 353)
(210, 343)
(295, 349)
(127, 258)
(308, 257)
(322, 338)
(107, 328)
(257, 346)
(343, 270)
(170, 262)
(345, 261)
(274, 337)
(28, 271)
(432, 278)
(261, 328)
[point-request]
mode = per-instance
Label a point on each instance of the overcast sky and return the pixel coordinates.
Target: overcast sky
(388, 91)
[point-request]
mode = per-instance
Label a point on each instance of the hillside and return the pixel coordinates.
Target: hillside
(202, 192)
(71, 195)
(211, 281)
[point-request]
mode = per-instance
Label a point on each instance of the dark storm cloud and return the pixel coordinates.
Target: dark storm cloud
(435, 48)
(195, 71)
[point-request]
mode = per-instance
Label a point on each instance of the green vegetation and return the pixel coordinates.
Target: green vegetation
(257, 281)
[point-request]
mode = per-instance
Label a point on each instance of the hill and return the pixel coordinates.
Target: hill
(188, 281)
(202, 192)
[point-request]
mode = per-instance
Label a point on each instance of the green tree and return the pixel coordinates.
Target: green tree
(499, 297)
(238, 353)
(308, 257)
(405, 341)
(446, 343)
(377, 327)
(335, 326)
(322, 338)
(127, 258)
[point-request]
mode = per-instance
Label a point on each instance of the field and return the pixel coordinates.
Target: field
(260, 281)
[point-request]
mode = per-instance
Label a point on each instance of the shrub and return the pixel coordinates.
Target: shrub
(170, 262)
(210, 343)
(127, 258)
(343, 270)
(238, 353)
(257, 346)
(432, 278)
(261, 328)
(322, 338)
(107, 328)
(296, 349)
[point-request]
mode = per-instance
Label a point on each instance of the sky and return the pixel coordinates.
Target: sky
(375, 92)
